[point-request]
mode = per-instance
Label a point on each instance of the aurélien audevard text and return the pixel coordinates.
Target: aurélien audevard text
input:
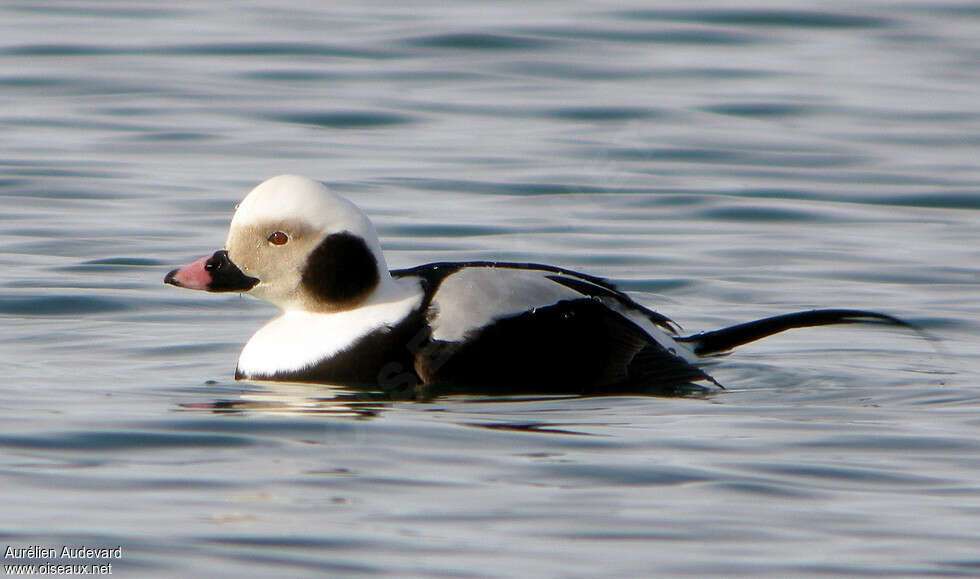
(64, 560)
(63, 552)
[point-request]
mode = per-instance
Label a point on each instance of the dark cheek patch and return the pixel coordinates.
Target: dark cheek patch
(341, 269)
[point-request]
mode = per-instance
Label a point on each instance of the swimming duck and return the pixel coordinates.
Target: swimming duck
(448, 327)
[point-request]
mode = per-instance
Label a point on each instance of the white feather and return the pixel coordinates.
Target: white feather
(299, 339)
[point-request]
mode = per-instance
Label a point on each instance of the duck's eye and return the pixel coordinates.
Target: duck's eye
(278, 238)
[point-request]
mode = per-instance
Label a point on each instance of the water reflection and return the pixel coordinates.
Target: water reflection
(291, 398)
(495, 413)
(538, 427)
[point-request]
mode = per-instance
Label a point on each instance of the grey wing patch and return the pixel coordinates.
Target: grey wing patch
(480, 293)
(475, 297)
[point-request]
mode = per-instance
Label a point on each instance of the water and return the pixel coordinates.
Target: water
(720, 163)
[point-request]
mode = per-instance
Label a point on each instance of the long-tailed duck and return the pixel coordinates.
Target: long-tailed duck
(441, 328)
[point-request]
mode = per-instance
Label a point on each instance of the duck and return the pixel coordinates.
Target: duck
(443, 328)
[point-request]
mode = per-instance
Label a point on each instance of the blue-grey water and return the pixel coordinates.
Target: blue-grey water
(721, 162)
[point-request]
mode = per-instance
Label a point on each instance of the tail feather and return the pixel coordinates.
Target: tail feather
(725, 339)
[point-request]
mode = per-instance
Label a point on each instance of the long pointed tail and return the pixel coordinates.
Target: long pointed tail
(725, 339)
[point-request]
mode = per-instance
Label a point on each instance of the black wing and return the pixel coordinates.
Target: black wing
(572, 347)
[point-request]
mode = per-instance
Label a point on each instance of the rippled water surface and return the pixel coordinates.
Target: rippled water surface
(721, 163)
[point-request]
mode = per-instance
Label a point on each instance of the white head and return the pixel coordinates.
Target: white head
(309, 248)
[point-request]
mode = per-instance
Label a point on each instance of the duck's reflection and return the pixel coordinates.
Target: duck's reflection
(292, 398)
(495, 413)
